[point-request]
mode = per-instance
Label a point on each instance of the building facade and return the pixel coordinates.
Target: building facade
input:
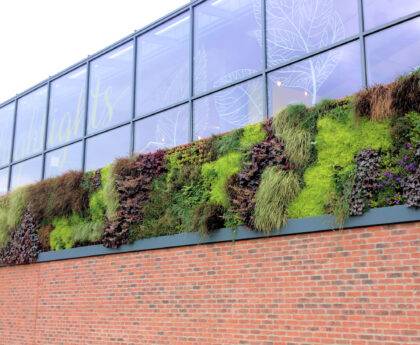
(204, 69)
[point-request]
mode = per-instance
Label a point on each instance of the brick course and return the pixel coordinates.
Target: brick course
(348, 287)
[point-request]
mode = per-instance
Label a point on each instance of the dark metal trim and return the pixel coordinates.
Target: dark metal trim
(378, 216)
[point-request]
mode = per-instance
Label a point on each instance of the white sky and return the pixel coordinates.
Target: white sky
(39, 38)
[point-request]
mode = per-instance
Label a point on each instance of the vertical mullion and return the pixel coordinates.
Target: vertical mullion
(133, 105)
(264, 56)
(362, 43)
(85, 122)
(9, 179)
(191, 73)
(46, 128)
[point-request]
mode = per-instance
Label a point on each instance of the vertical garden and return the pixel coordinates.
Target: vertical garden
(339, 157)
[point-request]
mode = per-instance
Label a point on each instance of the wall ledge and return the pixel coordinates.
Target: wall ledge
(376, 216)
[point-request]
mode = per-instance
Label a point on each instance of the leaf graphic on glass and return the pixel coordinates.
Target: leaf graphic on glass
(296, 28)
(241, 104)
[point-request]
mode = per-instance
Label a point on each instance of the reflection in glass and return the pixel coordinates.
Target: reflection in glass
(162, 65)
(228, 109)
(167, 129)
(4, 176)
(333, 74)
(227, 42)
(378, 12)
(110, 88)
(6, 132)
(26, 172)
(65, 159)
(67, 107)
(296, 28)
(104, 148)
(393, 52)
(30, 124)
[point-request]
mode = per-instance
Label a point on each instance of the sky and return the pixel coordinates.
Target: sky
(40, 38)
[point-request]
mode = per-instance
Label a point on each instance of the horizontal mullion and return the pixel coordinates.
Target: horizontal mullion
(391, 24)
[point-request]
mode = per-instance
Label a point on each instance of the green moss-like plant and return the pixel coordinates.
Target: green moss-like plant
(228, 142)
(338, 140)
(217, 173)
(252, 135)
(72, 231)
(277, 189)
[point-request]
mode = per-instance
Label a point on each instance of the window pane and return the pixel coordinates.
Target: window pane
(110, 88)
(167, 129)
(393, 52)
(229, 109)
(4, 175)
(333, 74)
(378, 12)
(67, 107)
(6, 129)
(296, 28)
(227, 43)
(162, 66)
(104, 148)
(30, 124)
(65, 159)
(26, 172)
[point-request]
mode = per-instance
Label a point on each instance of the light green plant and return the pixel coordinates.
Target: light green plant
(252, 135)
(277, 189)
(217, 173)
(74, 230)
(339, 138)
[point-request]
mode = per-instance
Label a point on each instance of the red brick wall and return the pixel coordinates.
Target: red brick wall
(353, 287)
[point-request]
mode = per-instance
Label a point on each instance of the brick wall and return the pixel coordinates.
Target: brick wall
(353, 287)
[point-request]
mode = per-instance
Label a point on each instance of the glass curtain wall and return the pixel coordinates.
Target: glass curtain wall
(210, 67)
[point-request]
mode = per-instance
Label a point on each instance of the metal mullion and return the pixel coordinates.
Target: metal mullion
(264, 56)
(44, 148)
(392, 23)
(191, 70)
(85, 122)
(12, 148)
(133, 105)
(362, 43)
(35, 155)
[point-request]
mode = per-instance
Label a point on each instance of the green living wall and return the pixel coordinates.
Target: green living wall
(340, 157)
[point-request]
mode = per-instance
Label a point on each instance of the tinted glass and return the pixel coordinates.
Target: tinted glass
(393, 52)
(59, 161)
(26, 172)
(333, 74)
(166, 129)
(67, 107)
(378, 12)
(30, 124)
(4, 176)
(6, 132)
(162, 66)
(104, 148)
(298, 27)
(110, 88)
(227, 43)
(229, 109)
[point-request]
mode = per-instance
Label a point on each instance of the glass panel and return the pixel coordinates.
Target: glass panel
(4, 176)
(30, 124)
(65, 159)
(104, 148)
(167, 129)
(163, 66)
(67, 107)
(393, 52)
(227, 42)
(26, 172)
(333, 74)
(6, 132)
(296, 28)
(229, 109)
(378, 12)
(110, 88)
